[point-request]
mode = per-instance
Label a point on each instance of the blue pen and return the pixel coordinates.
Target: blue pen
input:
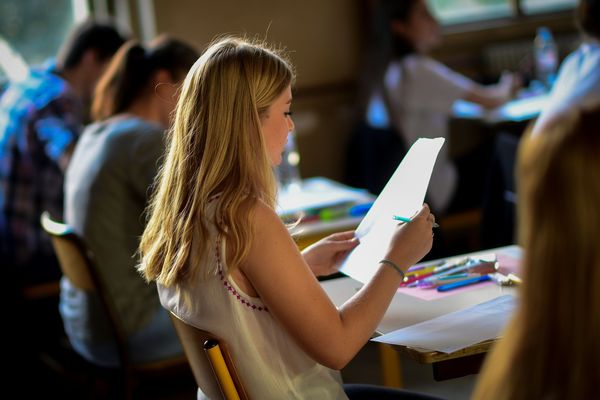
(359, 209)
(404, 219)
(466, 282)
(444, 280)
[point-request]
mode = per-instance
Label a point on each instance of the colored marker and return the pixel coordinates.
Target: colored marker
(404, 219)
(357, 210)
(466, 282)
(444, 280)
(515, 279)
(417, 267)
(421, 271)
(442, 270)
(360, 209)
(414, 277)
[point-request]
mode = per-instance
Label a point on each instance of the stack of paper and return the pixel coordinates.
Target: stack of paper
(457, 330)
(317, 193)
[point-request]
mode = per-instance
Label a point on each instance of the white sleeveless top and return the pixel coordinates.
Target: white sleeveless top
(270, 364)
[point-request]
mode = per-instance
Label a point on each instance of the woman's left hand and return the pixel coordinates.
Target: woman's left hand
(324, 256)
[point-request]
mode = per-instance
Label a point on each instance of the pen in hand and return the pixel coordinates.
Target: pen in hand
(404, 219)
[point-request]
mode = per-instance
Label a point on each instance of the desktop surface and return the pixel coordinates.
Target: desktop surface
(406, 310)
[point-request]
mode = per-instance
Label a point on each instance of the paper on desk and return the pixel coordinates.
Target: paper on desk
(403, 195)
(457, 330)
(318, 192)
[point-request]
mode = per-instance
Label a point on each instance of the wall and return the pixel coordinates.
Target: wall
(322, 38)
(325, 41)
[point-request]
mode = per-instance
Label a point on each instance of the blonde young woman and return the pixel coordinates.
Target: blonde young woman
(222, 258)
(551, 348)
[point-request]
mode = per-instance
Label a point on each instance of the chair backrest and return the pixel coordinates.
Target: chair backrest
(77, 264)
(210, 360)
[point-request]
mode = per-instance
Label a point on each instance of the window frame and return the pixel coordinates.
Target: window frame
(518, 18)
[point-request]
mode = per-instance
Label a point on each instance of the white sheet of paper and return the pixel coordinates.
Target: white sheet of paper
(403, 195)
(456, 330)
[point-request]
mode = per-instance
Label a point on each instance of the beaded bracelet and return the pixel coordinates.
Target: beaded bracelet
(393, 265)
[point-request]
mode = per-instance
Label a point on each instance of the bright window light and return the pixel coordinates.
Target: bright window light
(458, 11)
(539, 6)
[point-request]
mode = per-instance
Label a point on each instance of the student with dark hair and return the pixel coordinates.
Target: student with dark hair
(578, 81)
(100, 37)
(41, 118)
(106, 188)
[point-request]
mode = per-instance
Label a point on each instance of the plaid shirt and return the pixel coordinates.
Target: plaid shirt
(40, 117)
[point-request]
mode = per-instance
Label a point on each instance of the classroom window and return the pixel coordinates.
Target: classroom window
(539, 6)
(457, 11)
(451, 12)
(35, 29)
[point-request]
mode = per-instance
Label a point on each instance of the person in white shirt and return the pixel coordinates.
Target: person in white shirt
(221, 256)
(578, 81)
(412, 93)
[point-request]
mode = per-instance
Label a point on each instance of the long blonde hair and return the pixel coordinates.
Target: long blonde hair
(552, 347)
(215, 147)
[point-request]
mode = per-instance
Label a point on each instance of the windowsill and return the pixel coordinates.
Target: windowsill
(473, 37)
(519, 23)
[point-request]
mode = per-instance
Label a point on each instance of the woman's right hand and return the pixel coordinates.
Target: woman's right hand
(412, 240)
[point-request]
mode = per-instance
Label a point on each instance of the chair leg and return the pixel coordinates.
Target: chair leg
(390, 366)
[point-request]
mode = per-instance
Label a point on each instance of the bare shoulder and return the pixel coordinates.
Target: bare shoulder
(263, 217)
(261, 210)
(270, 235)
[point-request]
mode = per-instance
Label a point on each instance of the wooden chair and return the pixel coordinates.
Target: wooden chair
(78, 265)
(210, 360)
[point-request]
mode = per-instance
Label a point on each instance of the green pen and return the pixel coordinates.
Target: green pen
(447, 277)
(404, 219)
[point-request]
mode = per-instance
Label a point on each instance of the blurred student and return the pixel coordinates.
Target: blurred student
(107, 186)
(411, 93)
(223, 260)
(577, 85)
(551, 350)
(41, 117)
(578, 81)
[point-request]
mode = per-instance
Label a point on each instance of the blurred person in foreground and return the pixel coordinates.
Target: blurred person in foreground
(550, 349)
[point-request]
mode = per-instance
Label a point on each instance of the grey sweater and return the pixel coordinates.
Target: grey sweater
(107, 187)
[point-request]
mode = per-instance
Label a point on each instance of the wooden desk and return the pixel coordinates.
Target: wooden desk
(471, 125)
(517, 110)
(407, 310)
